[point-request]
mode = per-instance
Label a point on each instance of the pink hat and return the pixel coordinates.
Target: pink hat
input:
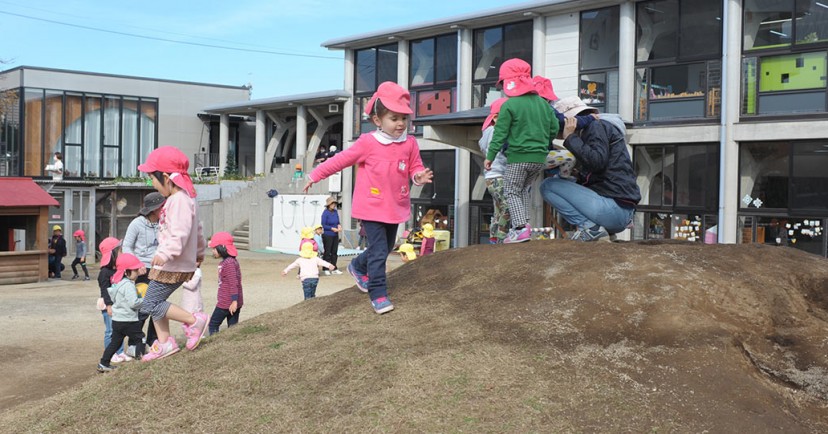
(226, 240)
(107, 246)
(127, 261)
(79, 233)
(493, 110)
(516, 76)
(393, 97)
(171, 160)
(543, 86)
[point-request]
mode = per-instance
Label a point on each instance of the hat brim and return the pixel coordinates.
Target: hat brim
(410, 255)
(488, 121)
(393, 106)
(518, 86)
(575, 111)
(147, 168)
(148, 209)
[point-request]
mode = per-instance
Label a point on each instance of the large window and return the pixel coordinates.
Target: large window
(493, 46)
(100, 136)
(433, 72)
(372, 67)
(678, 59)
(784, 176)
(10, 132)
(778, 75)
(599, 58)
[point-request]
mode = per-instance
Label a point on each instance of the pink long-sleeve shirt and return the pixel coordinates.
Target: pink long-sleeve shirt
(180, 240)
(383, 177)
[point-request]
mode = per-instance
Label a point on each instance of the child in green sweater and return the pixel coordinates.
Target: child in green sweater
(528, 124)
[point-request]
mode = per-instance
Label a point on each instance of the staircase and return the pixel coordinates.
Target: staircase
(241, 236)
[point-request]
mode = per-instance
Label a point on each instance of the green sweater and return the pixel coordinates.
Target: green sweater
(528, 124)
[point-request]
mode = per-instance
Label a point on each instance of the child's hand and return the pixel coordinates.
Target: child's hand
(569, 127)
(157, 261)
(284, 274)
(424, 177)
(331, 268)
(233, 307)
(307, 186)
(83, 260)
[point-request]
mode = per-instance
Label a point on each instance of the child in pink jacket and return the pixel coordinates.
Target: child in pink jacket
(180, 249)
(387, 161)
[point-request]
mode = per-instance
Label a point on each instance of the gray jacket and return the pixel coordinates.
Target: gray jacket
(499, 163)
(125, 301)
(141, 239)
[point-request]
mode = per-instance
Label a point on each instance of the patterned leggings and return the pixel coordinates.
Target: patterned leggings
(499, 225)
(516, 183)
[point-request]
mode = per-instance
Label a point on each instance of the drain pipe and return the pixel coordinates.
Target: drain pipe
(723, 136)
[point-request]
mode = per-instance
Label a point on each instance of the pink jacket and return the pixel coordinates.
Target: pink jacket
(381, 193)
(180, 241)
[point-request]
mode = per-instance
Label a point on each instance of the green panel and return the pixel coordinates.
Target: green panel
(792, 72)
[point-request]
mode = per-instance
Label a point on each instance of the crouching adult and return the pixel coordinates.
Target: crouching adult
(603, 199)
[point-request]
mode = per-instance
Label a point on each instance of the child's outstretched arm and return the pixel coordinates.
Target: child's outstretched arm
(341, 160)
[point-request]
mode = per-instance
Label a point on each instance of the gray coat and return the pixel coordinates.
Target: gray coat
(141, 239)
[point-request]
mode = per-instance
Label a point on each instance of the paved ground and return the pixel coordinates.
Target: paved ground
(53, 334)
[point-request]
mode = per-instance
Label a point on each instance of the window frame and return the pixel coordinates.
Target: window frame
(490, 82)
(361, 97)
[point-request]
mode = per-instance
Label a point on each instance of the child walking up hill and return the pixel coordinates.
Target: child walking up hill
(387, 161)
(230, 298)
(125, 304)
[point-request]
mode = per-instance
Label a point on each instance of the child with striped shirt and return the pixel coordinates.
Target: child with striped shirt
(230, 297)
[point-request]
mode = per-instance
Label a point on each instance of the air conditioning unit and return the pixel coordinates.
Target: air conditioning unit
(333, 108)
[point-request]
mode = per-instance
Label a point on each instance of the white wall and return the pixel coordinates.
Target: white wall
(562, 53)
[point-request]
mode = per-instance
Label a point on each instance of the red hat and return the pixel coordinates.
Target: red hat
(226, 240)
(171, 160)
(107, 246)
(127, 261)
(493, 110)
(79, 233)
(393, 97)
(543, 86)
(516, 76)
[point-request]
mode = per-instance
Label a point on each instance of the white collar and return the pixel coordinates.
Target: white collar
(387, 139)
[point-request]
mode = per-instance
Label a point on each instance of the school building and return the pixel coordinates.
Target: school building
(725, 103)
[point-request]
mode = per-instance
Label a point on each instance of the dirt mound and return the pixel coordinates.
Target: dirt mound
(550, 336)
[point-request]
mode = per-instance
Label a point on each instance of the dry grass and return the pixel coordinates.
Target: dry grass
(544, 337)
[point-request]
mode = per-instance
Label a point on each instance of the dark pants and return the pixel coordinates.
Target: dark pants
(83, 266)
(219, 315)
(331, 244)
(381, 239)
(56, 265)
(120, 330)
(151, 336)
(309, 287)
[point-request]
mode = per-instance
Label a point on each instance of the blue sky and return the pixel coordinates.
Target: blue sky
(91, 36)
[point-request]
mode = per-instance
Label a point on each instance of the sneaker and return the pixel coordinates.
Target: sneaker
(75, 277)
(592, 234)
(196, 331)
(336, 271)
(382, 305)
(159, 350)
(104, 368)
(130, 351)
(117, 358)
(327, 272)
(361, 279)
(520, 236)
(86, 278)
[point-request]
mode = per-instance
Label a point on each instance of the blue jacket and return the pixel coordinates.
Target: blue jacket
(330, 219)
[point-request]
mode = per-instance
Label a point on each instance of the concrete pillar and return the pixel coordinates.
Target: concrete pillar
(261, 130)
(402, 64)
(301, 133)
(729, 148)
(626, 62)
(224, 141)
(464, 69)
(538, 45)
(347, 134)
(462, 158)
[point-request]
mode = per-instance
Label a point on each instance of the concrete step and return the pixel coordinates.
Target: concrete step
(241, 237)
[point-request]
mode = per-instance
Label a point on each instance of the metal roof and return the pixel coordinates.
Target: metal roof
(474, 116)
(280, 102)
(23, 192)
(487, 17)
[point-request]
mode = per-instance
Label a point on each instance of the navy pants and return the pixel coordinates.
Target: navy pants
(309, 287)
(218, 317)
(381, 239)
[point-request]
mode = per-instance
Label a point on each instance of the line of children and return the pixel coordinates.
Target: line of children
(109, 255)
(180, 248)
(80, 255)
(308, 264)
(230, 297)
(387, 161)
(125, 304)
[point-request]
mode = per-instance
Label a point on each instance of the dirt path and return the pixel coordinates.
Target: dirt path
(53, 335)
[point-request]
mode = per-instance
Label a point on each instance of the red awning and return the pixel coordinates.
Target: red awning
(23, 192)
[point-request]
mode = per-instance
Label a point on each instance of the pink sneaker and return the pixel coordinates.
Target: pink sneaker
(196, 331)
(159, 350)
(520, 236)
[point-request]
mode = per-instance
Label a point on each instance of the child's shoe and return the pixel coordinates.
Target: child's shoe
(117, 358)
(327, 272)
(86, 278)
(520, 236)
(75, 277)
(361, 279)
(336, 271)
(104, 368)
(382, 305)
(159, 350)
(196, 331)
